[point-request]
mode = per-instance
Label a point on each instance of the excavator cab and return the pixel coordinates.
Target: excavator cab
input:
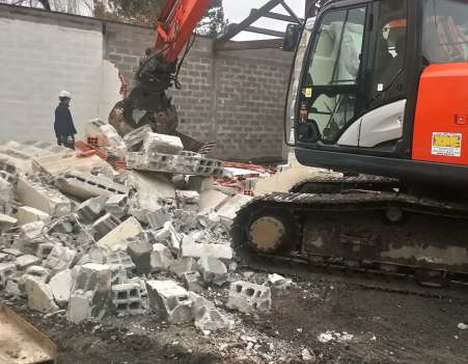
(374, 76)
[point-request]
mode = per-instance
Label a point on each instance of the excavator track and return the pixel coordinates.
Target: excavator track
(364, 230)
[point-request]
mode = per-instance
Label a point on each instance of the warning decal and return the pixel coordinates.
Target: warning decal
(446, 144)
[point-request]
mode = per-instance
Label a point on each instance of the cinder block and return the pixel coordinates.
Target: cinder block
(169, 300)
(141, 253)
(115, 240)
(90, 210)
(104, 225)
(117, 205)
(198, 250)
(248, 297)
(127, 299)
(162, 143)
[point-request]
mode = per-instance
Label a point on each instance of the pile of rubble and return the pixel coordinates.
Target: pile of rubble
(79, 236)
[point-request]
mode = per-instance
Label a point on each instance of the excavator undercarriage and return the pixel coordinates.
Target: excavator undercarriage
(360, 223)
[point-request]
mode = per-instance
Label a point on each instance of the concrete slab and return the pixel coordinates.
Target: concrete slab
(130, 228)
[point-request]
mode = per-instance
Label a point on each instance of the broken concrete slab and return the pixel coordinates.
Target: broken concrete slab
(104, 225)
(128, 229)
(162, 143)
(157, 219)
(32, 230)
(170, 300)
(43, 198)
(60, 258)
(151, 190)
(90, 210)
(207, 316)
(40, 297)
(86, 185)
(7, 222)
(212, 198)
(188, 200)
(27, 214)
(7, 270)
(248, 297)
(183, 265)
(228, 210)
(121, 260)
(213, 270)
(198, 250)
(161, 258)
(134, 139)
(61, 286)
(193, 281)
(169, 236)
(25, 261)
(141, 253)
(117, 205)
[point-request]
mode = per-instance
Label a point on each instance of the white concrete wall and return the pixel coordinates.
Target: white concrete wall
(36, 62)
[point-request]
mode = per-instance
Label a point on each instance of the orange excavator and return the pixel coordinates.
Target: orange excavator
(377, 94)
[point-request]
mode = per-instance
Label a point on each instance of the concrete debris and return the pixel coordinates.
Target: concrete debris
(307, 356)
(7, 222)
(183, 265)
(85, 186)
(150, 191)
(161, 258)
(193, 281)
(134, 139)
(26, 261)
(213, 270)
(207, 317)
(212, 199)
(228, 210)
(120, 260)
(198, 250)
(127, 299)
(6, 194)
(117, 205)
(188, 200)
(157, 219)
(90, 210)
(162, 143)
(247, 297)
(141, 253)
(333, 336)
(115, 240)
(32, 230)
(169, 300)
(40, 297)
(27, 214)
(279, 282)
(104, 225)
(462, 326)
(60, 258)
(61, 286)
(6, 271)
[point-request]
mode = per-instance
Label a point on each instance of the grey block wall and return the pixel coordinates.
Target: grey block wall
(235, 98)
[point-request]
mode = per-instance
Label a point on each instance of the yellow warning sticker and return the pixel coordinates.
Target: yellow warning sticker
(447, 144)
(308, 92)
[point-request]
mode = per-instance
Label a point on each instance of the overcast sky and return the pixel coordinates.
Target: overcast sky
(238, 10)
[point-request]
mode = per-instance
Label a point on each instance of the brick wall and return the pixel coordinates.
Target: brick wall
(235, 98)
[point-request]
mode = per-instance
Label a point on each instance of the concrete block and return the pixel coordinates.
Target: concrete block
(248, 297)
(151, 190)
(12, 252)
(60, 258)
(26, 261)
(162, 143)
(122, 261)
(278, 282)
(91, 293)
(158, 218)
(38, 272)
(134, 139)
(141, 254)
(207, 316)
(61, 286)
(213, 270)
(183, 265)
(161, 258)
(117, 205)
(193, 281)
(211, 199)
(228, 210)
(170, 300)
(128, 229)
(90, 210)
(43, 198)
(40, 297)
(198, 250)
(85, 186)
(7, 222)
(27, 214)
(44, 249)
(32, 230)
(6, 194)
(188, 200)
(104, 225)
(169, 236)
(6, 271)
(127, 299)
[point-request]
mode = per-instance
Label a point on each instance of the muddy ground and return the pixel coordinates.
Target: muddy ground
(383, 321)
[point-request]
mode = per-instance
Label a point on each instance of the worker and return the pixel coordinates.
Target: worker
(64, 128)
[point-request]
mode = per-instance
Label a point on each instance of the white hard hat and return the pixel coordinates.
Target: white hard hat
(64, 93)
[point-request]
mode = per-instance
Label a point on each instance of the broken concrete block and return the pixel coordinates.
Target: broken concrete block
(113, 140)
(61, 286)
(117, 205)
(211, 199)
(248, 297)
(228, 210)
(161, 258)
(26, 215)
(43, 198)
(7, 222)
(193, 281)
(141, 254)
(151, 190)
(134, 139)
(198, 250)
(169, 235)
(91, 293)
(213, 270)
(6, 194)
(86, 185)
(207, 316)
(127, 299)
(278, 282)
(183, 265)
(60, 258)
(158, 218)
(104, 225)
(44, 249)
(13, 252)
(90, 210)
(12, 288)
(40, 297)
(6, 271)
(128, 229)
(32, 230)
(122, 261)
(162, 143)
(26, 261)
(188, 200)
(170, 300)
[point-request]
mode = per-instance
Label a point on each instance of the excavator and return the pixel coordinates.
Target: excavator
(376, 95)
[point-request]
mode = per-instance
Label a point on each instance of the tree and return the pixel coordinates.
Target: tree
(214, 22)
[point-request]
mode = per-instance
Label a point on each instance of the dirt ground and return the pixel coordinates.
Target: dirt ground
(380, 320)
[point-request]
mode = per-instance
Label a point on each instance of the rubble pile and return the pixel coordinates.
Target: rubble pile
(81, 237)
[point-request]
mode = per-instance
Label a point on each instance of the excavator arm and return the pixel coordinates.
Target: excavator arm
(148, 103)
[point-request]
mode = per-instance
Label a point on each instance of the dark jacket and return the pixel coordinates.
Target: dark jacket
(63, 125)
